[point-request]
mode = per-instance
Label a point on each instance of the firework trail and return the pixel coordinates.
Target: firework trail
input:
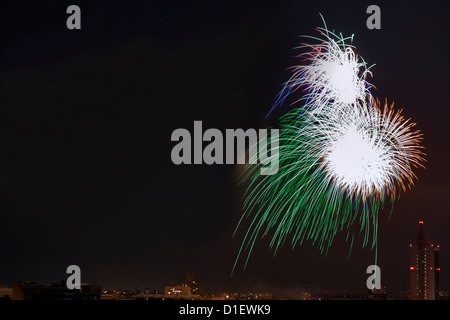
(342, 157)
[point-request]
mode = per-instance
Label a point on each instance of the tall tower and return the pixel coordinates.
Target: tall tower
(422, 268)
(437, 271)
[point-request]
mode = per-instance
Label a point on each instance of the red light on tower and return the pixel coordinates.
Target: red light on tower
(421, 222)
(411, 268)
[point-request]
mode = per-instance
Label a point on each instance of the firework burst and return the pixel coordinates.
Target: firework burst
(342, 156)
(369, 150)
(329, 72)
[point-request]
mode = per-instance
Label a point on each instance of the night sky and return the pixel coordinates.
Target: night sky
(86, 118)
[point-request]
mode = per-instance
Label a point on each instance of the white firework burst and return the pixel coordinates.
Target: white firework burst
(367, 150)
(342, 156)
(330, 72)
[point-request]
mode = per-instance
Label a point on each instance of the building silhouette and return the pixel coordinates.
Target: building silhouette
(28, 290)
(437, 271)
(424, 268)
(188, 289)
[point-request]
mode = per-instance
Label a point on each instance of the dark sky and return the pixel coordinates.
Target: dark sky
(86, 118)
